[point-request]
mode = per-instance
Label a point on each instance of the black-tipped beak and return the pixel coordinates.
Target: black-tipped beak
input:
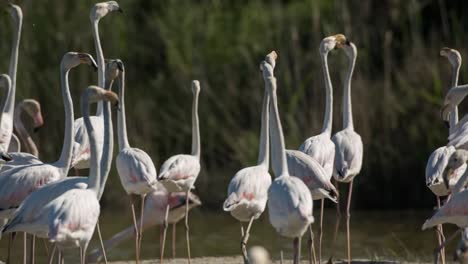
(6, 157)
(95, 67)
(117, 106)
(447, 124)
(36, 129)
(348, 42)
(120, 10)
(120, 66)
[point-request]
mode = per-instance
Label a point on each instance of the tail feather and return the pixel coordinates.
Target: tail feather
(230, 202)
(434, 221)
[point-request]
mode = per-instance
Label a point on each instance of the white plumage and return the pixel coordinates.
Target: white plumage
(348, 155)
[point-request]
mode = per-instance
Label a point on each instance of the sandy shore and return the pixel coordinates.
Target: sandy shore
(231, 260)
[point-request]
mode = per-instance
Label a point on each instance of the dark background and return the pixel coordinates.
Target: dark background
(398, 83)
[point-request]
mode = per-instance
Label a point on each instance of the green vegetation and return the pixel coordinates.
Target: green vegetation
(397, 86)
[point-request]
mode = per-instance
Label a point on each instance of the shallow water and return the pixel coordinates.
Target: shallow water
(377, 235)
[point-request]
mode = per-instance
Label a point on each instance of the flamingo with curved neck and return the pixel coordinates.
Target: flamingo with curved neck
(81, 150)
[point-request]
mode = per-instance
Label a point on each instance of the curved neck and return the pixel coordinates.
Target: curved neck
(263, 155)
(327, 121)
(100, 62)
(94, 173)
(347, 106)
(454, 82)
(278, 155)
(23, 133)
(108, 146)
(10, 103)
(195, 127)
(66, 155)
(121, 121)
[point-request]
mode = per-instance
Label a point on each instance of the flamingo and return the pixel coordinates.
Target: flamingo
(18, 182)
(29, 216)
(135, 167)
(289, 199)
(179, 172)
(155, 208)
(454, 210)
(72, 217)
(248, 189)
(33, 109)
(348, 143)
(320, 148)
(81, 153)
(5, 83)
(6, 126)
(439, 157)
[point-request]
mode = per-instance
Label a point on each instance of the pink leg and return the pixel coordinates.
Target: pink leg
(25, 248)
(51, 256)
(101, 242)
(137, 251)
(32, 249)
(142, 210)
(164, 234)
(348, 216)
(311, 247)
(187, 228)
(322, 204)
(244, 241)
(437, 250)
(174, 240)
(337, 224)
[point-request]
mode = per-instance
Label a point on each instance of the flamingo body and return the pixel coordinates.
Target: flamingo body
(290, 208)
(179, 172)
(435, 168)
(81, 150)
(454, 211)
(348, 155)
(136, 170)
(248, 193)
(322, 149)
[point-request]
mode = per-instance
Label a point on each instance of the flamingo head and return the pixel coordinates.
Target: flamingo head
(100, 10)
(333, 42)
(33, 109)
(456, 160)
(452, 55)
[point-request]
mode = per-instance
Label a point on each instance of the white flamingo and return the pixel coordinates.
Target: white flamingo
(72, 217)
(248, 189)
(439, 157)
(81, 151)
(156, 203)
(29, 217)
(179, 172)
(348, 143)
(135, 167)
(321, 148)
(289, 199)
(6, 126)
(454, 211)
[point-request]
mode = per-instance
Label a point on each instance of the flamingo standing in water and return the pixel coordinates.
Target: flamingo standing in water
(248, 189)
(348, 143)
(289, 199)
(81, 151)
(179, 172)
(439, 157)
(72, 217)
(135, 167)
(315, 168)
(156, 203)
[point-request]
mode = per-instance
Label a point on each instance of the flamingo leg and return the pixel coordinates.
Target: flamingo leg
(59, 258)
(164, 234)
(137, 251)
(46, 248)
(142, 210)
(437, 250)
(311, 247)
(244, 241)
(10, 247)
(348, 216)
(296, 250)
(51, 256)
(32, 249)
(174, 240)
(81, 255)
(337, 223)
(440, 235)
(280, 250)
(25, 248)
(187, 228)
(101, 242)
(322, 204)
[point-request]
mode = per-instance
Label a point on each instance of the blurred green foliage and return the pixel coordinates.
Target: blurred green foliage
(397, 87)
